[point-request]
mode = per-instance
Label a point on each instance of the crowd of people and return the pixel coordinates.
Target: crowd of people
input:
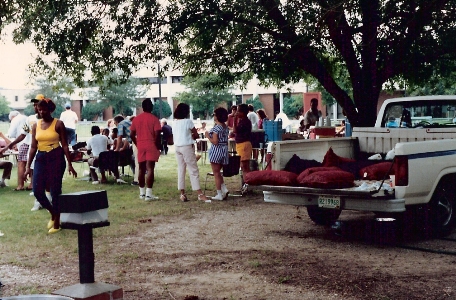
(44, 145)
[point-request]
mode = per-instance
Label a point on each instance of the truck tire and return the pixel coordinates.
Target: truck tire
(442, 209)
(323, 216)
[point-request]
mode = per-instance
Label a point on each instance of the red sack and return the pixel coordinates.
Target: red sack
(329, 180)
(378, 171)
(309, 171)
(331, 159)
(270, 177)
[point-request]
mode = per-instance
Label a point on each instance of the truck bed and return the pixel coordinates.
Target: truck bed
(364, 140)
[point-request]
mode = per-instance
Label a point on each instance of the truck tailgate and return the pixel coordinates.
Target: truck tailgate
(351, 198)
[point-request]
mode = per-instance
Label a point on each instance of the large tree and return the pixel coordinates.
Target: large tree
(203, 94)
(57, 89)
(121, 95)
(376, 41)
(4, 108)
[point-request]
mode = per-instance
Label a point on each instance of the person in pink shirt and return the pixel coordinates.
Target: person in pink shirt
(145, 133)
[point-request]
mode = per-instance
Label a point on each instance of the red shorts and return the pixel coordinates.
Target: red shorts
(148, 154)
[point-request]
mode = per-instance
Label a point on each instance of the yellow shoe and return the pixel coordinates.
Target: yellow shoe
(50, 224)
(53, 230)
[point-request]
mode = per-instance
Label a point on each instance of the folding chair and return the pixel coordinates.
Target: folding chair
(229, 170)
(125, 159)
(201, 147)
(108, 161)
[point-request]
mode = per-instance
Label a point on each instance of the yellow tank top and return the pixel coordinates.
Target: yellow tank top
(47, 139)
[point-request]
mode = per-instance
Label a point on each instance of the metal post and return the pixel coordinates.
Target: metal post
(86, 255)
(159, 91)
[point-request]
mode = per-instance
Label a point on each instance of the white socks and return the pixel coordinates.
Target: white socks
(142, 191)
(224, 188)
(148, 192)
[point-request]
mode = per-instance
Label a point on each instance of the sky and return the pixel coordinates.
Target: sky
(14, 60)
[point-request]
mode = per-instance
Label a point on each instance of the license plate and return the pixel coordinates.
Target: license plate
(329, 202)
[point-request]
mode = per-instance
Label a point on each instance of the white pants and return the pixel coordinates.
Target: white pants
(186, 159)
(135, 154)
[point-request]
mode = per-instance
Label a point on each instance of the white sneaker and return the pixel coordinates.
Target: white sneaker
(217, 197)
(119, 181)
(31, 193)
(150, 198)
(225, 192)
(142, 196)
(36, 206)
(95, 182)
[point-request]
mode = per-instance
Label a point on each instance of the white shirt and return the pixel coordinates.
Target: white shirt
(27, 130)
(69, 118)
(253, 117)
(97, 143)
(16, 127)
(285, 121)
(182, 134)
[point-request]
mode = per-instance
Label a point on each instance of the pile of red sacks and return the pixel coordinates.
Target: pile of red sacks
(335, 172)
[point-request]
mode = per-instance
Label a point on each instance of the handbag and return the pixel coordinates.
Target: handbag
(170, 139)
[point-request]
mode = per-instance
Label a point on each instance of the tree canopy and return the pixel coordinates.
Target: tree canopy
(376, 42)
(4, 108)
(57, 90)
(203, 95)
(121, 95)
(255, 101)
(165, 109)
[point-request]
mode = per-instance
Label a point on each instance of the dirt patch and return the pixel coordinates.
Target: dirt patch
(248, 250)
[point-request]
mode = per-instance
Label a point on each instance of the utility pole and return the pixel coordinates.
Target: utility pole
(159, 91)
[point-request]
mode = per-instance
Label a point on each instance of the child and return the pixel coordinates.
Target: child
(242, 131)
(218, 153)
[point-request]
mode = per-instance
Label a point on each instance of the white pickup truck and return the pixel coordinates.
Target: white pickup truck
(422, 132)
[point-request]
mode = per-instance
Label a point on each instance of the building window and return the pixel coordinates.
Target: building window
(154, 80)
(177, 79)
(16, 98)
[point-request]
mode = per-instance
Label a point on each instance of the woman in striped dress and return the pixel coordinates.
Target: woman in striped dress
(218, 153)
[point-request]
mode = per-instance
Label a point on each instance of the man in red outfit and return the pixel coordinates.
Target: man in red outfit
(145, 133)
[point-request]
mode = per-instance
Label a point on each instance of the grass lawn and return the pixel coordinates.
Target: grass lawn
(25, 240)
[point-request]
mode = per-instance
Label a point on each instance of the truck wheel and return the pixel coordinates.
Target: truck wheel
(442, 209)
(323, 216)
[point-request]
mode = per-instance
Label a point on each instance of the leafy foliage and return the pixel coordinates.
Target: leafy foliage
(203, 94)
(4, 108)
(92, 110)
(121, 95)
(255, 102)
(372, 42)
(293, 106)
(165, 109)
(55, 89)
(436, 85)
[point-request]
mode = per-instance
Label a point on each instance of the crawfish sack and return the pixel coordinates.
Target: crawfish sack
(329, 180)
(271, 177)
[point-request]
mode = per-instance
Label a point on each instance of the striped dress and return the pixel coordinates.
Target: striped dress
(218, 154)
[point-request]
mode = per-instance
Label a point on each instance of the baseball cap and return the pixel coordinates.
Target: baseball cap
(38, 98)
(68, 105)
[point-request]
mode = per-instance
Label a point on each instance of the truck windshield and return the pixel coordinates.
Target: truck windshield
(420, 114)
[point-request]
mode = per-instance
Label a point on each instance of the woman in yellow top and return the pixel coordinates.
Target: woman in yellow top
(49, 143)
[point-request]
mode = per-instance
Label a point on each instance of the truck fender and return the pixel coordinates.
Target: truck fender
(448, 173)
